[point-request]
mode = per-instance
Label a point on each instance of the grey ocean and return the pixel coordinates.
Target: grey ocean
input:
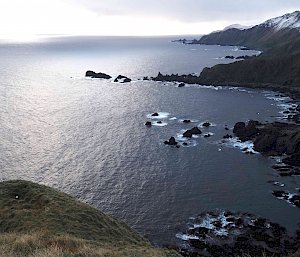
(87, 136)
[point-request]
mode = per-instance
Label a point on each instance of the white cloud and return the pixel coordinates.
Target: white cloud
(19, 18)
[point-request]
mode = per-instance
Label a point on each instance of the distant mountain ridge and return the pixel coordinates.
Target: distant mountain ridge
(271, 33)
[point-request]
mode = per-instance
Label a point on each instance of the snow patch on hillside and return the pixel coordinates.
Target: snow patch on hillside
(290, 20)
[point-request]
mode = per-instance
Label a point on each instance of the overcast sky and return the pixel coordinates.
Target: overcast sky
(25, 18)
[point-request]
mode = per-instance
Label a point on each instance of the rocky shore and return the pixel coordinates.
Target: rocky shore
(272, 139)
(225, 233)
(205, 78)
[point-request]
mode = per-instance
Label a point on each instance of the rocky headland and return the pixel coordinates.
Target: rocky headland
(277, 68)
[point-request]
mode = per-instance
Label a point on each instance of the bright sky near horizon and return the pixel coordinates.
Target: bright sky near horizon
(20, 19)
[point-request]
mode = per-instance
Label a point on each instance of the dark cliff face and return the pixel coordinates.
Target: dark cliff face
(278, 71)
(259, 37)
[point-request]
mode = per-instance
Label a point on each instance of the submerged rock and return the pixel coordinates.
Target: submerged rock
(155, 114)
(148, 123)
(181, 85)
(186, 121)
(227, 136)
(99, 75)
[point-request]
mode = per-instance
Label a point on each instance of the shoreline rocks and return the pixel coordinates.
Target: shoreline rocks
(226, 233)
(272, 139)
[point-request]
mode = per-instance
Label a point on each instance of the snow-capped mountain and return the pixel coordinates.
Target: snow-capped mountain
(237, 26)
(290, 20)
(266, 35)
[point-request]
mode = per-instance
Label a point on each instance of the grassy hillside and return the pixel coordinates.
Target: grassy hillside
(37, 221)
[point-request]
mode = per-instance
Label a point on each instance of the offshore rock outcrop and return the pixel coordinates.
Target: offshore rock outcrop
(190, 132)
(99, 75)
(122, 79)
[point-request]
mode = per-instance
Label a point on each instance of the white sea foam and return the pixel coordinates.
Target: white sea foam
(191, 121)
(173, 118)
(186, 237)
(184, 141)
(161, 115)
(162, 124)
(200, 125)
(209, 133)
(247, 146)
(276, 183)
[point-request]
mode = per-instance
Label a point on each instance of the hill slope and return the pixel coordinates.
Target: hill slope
(270, 34)
(279, 65)
(36, 221)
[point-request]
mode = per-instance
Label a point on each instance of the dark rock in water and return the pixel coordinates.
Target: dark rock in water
(181, 85)
(122, 79)
(293, 199)
(185, 144)
(159, 122)
(226, 128)
(148, 123)
(99, 75)
(229, 57)
(207, 135)
(155, 114)
(227, 136)
(245, 131)
(186, 121)
(194, 131)
(206, 124)
(298, 108)
(279, 194)
(145, 78)
(171, 141)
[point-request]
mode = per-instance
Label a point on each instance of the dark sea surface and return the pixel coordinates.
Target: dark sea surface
(87, 137)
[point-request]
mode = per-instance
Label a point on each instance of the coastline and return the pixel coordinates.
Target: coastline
(292, 92)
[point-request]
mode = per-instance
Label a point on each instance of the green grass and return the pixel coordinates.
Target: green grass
(42, 221)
